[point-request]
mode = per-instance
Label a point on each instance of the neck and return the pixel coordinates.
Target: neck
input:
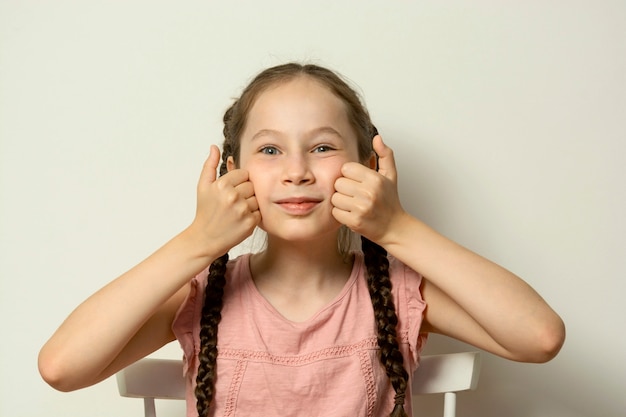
(299, 278)
(300, 265)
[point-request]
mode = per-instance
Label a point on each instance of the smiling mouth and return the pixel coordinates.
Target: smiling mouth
(298, 206)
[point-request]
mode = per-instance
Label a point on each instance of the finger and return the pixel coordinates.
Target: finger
(235, 177)
(341, 216)
(347, 186)
(386, 161)
(245, 189)
(355, 171)
(209, 170)
(253, 205)
(256, 216)
(342, 202)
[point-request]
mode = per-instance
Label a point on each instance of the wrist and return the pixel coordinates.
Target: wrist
(399, 229)
(196, 246)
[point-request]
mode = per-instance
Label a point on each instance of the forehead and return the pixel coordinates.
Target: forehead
(303, 103)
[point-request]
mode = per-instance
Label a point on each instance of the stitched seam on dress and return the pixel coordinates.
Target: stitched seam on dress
(235, 386)
(331, 352)
(370, 385)
(404, 336)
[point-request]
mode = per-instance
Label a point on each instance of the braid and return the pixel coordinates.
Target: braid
(229, 147)
(211, 316)
(379, 285)
(211, 310)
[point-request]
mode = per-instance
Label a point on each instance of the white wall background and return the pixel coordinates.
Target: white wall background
(508, 120)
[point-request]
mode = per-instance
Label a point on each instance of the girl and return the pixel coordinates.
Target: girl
(306, 326)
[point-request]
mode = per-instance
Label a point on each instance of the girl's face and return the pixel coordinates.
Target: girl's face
(296, 139)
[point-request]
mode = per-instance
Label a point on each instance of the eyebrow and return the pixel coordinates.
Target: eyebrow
(314, 132)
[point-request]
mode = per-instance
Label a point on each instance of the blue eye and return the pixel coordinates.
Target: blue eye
(323, 148)
(269, 150)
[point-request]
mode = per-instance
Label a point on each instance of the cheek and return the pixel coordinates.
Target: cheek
(259, 178)
(332, 172)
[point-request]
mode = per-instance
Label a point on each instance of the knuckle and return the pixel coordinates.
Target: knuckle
(221, 184)
(240, 209)
(357, 223)
(377, 182)
(230, 197)
(367, 200)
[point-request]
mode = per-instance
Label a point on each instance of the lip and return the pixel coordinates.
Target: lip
(298, 206)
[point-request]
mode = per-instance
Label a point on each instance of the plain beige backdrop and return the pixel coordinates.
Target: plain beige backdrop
(508, 120)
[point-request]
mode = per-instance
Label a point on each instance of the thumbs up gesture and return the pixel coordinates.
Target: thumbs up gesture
(366, 200)
(227, 211)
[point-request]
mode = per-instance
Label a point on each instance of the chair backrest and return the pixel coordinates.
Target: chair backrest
(152, 379)
(446, 374)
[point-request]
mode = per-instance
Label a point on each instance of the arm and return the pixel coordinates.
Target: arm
(132, 316)
(469, 297)
(474, 300)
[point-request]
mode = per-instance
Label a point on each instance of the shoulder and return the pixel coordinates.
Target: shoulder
(235, 268)
(403, 275)
(407, 289)
(193, 298)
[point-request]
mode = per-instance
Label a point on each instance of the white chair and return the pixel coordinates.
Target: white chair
(152, 379)
(446, 374)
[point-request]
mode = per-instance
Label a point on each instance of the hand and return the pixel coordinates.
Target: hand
(367, 201)
(227, 211)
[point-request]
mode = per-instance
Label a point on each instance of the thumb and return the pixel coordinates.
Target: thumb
(386, 161)
(209, 170)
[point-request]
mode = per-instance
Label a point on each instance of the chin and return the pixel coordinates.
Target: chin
(300, 233)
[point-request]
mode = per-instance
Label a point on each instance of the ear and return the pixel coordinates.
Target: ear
(373, 161)
(230, 164)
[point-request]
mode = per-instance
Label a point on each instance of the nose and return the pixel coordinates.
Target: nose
(297, 170)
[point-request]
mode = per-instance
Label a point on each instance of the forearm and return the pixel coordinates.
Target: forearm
(132, 316)
(505, 306)
(98, 330)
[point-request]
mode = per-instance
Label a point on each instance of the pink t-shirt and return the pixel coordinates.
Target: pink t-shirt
(325, 366)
